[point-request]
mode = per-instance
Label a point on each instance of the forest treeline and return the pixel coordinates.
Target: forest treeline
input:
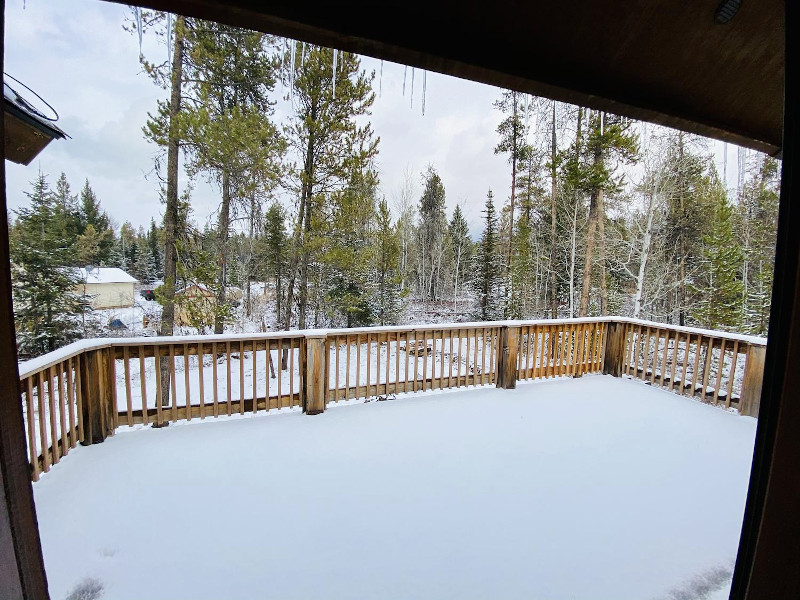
(601, 215)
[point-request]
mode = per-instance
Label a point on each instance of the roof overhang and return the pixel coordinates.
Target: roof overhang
(662, 61)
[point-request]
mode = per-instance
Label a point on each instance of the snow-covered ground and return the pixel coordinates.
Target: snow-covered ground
(594, 488)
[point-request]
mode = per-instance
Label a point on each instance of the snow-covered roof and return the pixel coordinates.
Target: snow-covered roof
(105, 275)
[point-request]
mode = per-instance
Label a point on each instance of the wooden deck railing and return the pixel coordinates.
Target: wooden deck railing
(85, 391)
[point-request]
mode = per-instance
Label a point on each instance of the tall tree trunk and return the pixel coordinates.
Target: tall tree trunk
(167, 326)
(601, 251)
(223, 227)
(595, 206)
(514, 152)
(553, 193)
(643, 257)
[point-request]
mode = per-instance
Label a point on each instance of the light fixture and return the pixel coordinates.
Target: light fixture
(726, 11)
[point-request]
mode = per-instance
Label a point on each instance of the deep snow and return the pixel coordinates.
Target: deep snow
(591, 488)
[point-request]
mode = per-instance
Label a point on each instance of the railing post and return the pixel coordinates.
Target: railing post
(98, 421)
(313, 366)
(753, 378)
(615, 349)
(507, 359)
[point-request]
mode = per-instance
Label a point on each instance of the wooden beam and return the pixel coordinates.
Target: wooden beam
(22, 573)
(768, 563)
(658, 61)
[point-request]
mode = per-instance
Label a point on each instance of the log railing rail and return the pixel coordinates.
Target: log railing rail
(85, 391)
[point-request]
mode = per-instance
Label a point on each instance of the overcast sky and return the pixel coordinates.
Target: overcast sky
(75, 54)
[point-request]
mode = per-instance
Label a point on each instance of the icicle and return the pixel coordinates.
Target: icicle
(405, 71)
(725, 163)
(335, 58)
(412, 87)
(424, 88)
(291, 71)
(138, 13)
(380, 82)
(169, 40)
(303, 55)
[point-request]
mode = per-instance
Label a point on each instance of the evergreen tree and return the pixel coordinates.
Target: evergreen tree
(513, 133)
(461, 248)
(431, 238)
(389, 279)
(47, 304)
(719, 284)
(488, 275)
(272, 251)
(350, 252)
(228, 127)
(332, 146)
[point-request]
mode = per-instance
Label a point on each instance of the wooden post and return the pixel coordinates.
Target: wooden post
(507, 360)
(615, 348)
(313, 368)
(753, 378)
(98, 421)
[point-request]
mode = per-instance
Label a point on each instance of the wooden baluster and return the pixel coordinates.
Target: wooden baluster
(142, 386)
(200, 376)
(186, 384)
(73, 438)
(664, 358)
(684, 372)
(159, 392)
(62, 409)
(358, 364)
(367, 392)
(173, 378)
(31, 426)
(228, 369)
(241, 377)
(51, 402)
(696, 367)
(128, 395)
(214, 376)
(732, 376)
(707, 367)
(42, 402)
(424, 358)
(722, 343)
(254, 376)
(656, 340)
(637, 342)
(337, 343)
(396, 362)
(386, 373)
(291, 367)
(408, 353)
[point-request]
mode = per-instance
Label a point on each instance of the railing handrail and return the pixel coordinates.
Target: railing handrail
(74, 395)
(35, 365)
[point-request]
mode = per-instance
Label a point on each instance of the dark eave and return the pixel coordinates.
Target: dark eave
(662, 61)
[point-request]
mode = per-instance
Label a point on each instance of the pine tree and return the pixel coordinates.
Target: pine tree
(228, 127)
(513, 141)
(488, 275)
(47, 304)
(273, 254)
(718, 284)
(333, 146)
(461, 248)
(431, 238)
(350, 252)
(389, 279)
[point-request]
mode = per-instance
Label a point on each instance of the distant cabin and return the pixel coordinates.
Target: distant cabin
(194, 304)
(107, 287)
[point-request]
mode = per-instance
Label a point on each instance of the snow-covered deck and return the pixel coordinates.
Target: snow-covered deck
(589, 488)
